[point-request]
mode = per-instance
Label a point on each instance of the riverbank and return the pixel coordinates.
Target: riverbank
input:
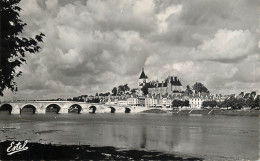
(207, 112)
(37, 151)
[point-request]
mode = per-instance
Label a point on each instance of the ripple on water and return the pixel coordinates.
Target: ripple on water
(47, 131)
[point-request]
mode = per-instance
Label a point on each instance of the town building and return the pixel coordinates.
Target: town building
(141, 101)
(166, 102)
(151, 102)
(136, 101)
(142, 79)
(123, 103)
(132, 101)
(196, 100)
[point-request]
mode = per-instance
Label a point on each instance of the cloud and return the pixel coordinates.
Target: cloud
(143, 8)
(51, 4)
(226, 45)
(204, 12)
(163, 16)
(92, 46)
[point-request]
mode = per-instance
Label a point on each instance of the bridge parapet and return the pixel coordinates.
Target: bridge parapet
(41, 106)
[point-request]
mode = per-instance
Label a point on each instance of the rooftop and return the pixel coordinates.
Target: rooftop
(143, 76)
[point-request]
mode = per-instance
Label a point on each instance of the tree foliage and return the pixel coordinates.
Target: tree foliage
(199, 87)
(209, 104)
(133, 90)
(234, 103)
(95, 100)
(77, 99)
(13, 47)
(239, 102)
(104, 94)
(122, 89)
(114, 91)
(186, 103)
(180, 103)
(188, 90)
(257, 102)
(126, 88)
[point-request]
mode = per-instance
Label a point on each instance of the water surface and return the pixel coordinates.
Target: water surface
(210, 137)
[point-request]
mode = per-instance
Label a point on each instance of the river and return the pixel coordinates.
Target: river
(208, 137)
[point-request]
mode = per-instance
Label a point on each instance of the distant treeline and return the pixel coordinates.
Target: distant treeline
(234, 103)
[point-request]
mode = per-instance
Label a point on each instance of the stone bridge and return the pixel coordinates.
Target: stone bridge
(39, 107)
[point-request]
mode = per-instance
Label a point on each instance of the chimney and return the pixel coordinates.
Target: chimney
(175, 79)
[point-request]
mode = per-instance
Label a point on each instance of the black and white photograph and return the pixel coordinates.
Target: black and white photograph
(129, 79)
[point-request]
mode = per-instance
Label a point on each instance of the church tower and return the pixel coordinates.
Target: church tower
(142, 79)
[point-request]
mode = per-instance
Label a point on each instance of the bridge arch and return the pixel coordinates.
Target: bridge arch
(6, 107)
(127, 110)
(75, 106)
(93, 108)
(54, 107)
(113, 110)
(28, 106)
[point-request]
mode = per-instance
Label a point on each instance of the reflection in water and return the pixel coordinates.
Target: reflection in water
(212, 137)
(143, 140)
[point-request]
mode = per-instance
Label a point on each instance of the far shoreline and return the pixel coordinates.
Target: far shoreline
(206, 112)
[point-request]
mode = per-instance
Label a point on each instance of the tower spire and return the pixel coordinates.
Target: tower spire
(143, 76)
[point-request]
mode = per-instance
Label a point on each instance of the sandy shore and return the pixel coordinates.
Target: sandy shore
(37, 151)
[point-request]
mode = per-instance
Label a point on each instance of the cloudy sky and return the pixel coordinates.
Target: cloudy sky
(92, 46)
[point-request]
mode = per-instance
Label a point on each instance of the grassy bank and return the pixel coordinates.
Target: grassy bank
(207, 112)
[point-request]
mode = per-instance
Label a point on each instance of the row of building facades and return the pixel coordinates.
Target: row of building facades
(195, 100)
(162, 94)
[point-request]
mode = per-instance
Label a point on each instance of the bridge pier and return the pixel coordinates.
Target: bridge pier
(16, 110)
(40, 111)
(102, 109)
(84, 110)
(64, 109)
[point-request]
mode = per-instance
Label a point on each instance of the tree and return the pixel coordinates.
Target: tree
(177, 103)
(250, 102)
(133, 90)
(238, 103)
(199, 87)
(114, 91)
(205, 104)
(13, 47)
(213, 104)
(257, 102)
(186, 103)
(95, 100)
(209, 104)
(126, 88)
(234, 103)
(120, 89)
(188, 90)
(104, 94)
